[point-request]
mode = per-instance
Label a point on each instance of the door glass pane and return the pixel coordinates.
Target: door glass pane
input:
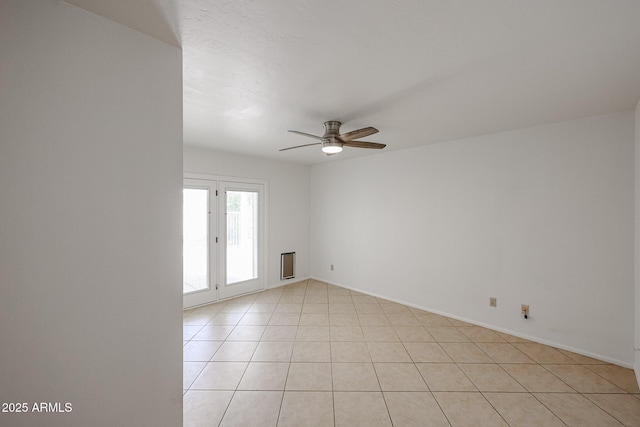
(195, 239)
(242, 236)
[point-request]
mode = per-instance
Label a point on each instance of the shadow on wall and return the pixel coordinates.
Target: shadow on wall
(156, 19)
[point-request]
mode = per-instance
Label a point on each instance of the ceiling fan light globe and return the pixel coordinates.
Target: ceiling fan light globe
(331, 149)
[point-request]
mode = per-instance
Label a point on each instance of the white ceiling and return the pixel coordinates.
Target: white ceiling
(421, 71)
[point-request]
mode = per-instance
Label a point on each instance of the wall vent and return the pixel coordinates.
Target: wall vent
(287, 265)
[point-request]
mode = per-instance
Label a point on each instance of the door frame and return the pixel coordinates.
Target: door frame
(210, 293)
(263, 269)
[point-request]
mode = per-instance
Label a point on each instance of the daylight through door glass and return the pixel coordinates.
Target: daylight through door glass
(242, 236)
(195, 239)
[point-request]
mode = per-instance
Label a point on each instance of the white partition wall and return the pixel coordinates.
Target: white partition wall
(637, 246)
(90, 220)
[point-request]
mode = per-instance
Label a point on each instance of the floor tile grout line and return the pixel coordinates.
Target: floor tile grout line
(560, 379)
(514, 378)
(226, 408)
(494, 408)
(581, 394)
(548, 408)
(288, 367)
(386, 404)
(604, 378)
(605, 410)
(333, 391)
(441, 408)
(284, 390)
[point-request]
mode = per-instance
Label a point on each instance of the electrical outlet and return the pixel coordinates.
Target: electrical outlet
(331, 267)
(493, 302)
(524, 309)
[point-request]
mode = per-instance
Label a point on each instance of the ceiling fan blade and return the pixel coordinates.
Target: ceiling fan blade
(298, 146)
(364, 144)
(306, 134)
(355, 134)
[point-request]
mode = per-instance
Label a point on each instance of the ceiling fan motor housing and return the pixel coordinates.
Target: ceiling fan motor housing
(331, 129)
(331, 144)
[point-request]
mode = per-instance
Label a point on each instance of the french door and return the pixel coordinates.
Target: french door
(199, 210)
(223, 239)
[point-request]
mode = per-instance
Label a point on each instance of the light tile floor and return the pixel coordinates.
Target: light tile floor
(312, 354)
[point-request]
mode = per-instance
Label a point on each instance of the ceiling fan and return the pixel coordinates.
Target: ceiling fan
(332, 142)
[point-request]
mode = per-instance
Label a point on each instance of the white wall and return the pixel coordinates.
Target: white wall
(637, 244)
(540, 216)
(288, 208)
(90, 219)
